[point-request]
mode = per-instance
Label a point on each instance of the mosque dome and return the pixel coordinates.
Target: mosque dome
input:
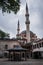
(31, 33)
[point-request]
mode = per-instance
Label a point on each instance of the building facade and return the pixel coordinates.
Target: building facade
(37, 49)
(7, 44)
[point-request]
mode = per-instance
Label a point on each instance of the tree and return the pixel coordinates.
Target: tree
(10, 5)
(3, 35)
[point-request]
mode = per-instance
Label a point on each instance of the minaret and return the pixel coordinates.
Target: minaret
(18, 29)
(27, 25)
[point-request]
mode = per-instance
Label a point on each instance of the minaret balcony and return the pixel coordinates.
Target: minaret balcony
(27, 22)
(18, 29)
(27, 14)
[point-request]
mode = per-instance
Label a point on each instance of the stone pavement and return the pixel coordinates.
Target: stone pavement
(28, 62)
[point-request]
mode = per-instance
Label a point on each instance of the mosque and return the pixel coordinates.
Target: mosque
(21, 46)
(26, 34)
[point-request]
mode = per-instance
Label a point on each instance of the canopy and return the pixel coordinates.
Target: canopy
(17, 48)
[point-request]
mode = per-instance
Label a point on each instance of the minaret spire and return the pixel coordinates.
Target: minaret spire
(27, 25)
(26, 8)
(18, 29)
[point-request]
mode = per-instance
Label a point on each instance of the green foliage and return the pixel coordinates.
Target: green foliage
(10, 5)
(3, 34)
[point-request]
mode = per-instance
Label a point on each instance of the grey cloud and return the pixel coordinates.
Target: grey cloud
(37, 7)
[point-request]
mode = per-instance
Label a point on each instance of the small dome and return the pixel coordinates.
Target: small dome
(23, 32)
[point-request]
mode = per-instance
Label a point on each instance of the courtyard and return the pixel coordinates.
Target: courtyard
(28, 62)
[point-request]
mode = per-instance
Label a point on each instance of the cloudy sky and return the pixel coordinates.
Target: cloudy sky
(8, 22)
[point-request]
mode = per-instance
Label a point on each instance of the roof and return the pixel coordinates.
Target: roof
(23, 32)
(17, 48)
(38, 50)
(31, 33)
(13, 39)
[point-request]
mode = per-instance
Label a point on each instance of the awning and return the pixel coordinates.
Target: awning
(38, 50)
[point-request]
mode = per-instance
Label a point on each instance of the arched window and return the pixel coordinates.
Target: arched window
(37, 46)
(22, 54)
(13, 46)
(6, 46)
(42, 44)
